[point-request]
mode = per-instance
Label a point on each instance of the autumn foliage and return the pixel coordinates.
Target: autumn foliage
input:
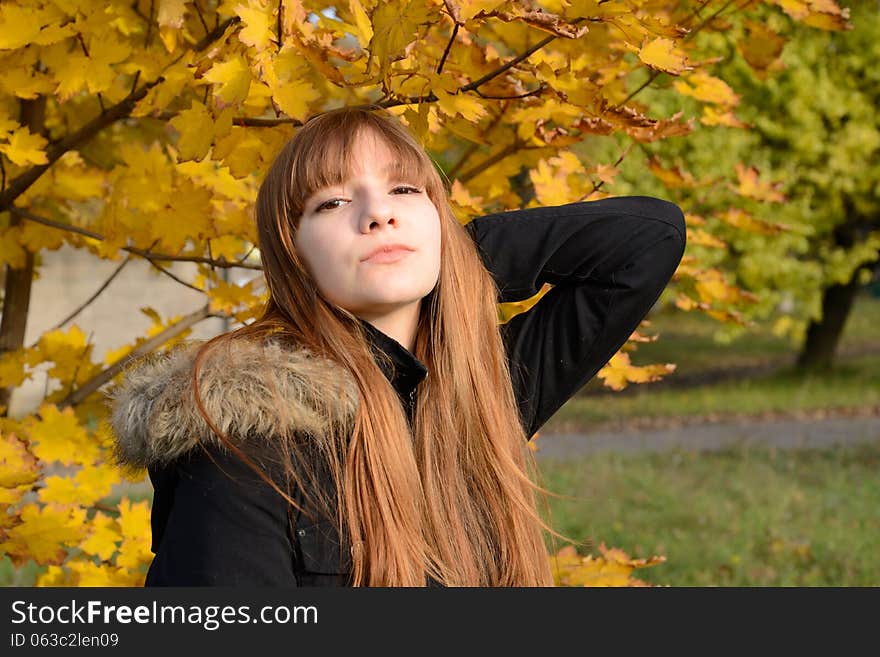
(140, 130)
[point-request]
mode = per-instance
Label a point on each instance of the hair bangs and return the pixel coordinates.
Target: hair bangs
(335, 163)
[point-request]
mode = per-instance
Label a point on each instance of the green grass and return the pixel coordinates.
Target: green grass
(855, 383)
(745, 517)
(686, 340)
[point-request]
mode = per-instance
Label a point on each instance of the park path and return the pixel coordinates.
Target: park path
(785, 432)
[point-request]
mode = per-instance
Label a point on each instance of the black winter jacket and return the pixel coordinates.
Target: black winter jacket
(215, 523)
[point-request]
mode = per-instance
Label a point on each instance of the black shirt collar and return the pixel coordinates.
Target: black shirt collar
(405, 371)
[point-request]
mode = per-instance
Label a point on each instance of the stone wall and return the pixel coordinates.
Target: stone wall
(68, 277)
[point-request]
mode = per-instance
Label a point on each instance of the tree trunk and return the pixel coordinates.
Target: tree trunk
(823, 336)
(17, 286)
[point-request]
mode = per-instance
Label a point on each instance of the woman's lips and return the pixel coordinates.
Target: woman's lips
(387, 257)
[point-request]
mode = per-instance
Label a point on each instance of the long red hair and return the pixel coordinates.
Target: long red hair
(455, 498)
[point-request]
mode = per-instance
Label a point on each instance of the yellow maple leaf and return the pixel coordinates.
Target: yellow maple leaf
(18, 26)
(673, 177)
(231, 79)
(463, 201)
(612, 568)
(828, 21)
(257, 20)
(229, 247)
(396, 24)
(82, 572)
(87, 573)
(751, 185)
(170, 18)
(761, 48)
(26, 83)
(44, 532)
(53, 33)
(171, 13)
(550, 188)
(619, 371)
(104, 51)
(54, 576)
(797, 9)
(196, 129)
(362, 28)
(748, 222)
(73, 180)
(104, 536)
(175, 79)
(67, 349)
(701, 237)
(606, 172)
(70, 72)
(707, 88)
(24, 147)
(12, 368)
(188, 216)
(134, 524)
(7, 125)
(59, 436)
(287, 77)
(229, 297)
(10, 497)
(219, 179)
(61, 490)
(712, 286)
(467, 9)
(663, 54)
(96, 482)
(469, 107)
(712, 116)
(11, 251)
(36, 237)
(18, 467)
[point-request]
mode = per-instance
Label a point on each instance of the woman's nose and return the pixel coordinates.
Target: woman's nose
(377, 210)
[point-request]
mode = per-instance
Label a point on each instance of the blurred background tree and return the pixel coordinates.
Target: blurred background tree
(800, 227)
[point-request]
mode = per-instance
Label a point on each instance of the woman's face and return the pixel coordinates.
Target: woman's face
(342, 224)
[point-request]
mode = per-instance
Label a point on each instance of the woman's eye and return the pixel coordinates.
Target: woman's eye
(326, 204)
(409, 187)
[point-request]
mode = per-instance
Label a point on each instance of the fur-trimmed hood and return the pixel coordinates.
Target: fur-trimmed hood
(154, 414)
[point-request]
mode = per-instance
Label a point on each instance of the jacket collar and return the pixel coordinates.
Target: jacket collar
(155, 418)
(405, 371)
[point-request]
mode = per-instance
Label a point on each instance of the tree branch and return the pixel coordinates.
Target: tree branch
(448, 48)
(94, 296)
(174, 277)
(245, 121)
(690, 35)
(144, 253)
(118, 111)
(453, 172)
(535, 92)
(510, 149)
(155, 342)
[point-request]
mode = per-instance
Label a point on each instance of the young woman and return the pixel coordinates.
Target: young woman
(371, 427)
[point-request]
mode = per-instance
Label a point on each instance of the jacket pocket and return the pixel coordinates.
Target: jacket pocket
(319, 550)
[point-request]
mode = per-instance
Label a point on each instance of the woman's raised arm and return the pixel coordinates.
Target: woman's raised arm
(608, 260)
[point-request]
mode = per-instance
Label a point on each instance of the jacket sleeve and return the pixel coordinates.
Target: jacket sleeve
(608, 261)
(226, 527)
